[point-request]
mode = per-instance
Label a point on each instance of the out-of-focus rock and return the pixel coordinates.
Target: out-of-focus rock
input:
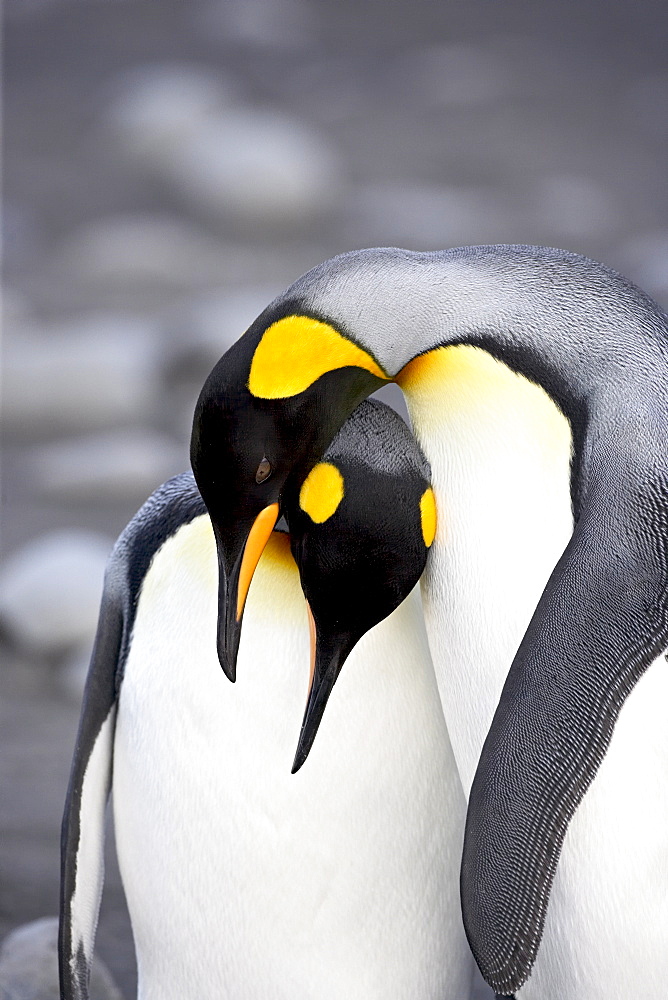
(119, 465)
(29, 965)
(168, 101)
(50, 591)
(164, 102)
(261, 166)
(284, 24)
(254, 165)
(427, 216)
(147, 256)
(87, 373)
(645, 260)
(144, 250)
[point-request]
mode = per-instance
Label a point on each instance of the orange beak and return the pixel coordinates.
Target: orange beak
(313, 638)
(258, 537)
(234, 584)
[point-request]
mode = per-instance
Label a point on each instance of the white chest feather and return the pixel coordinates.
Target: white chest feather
(248, 882)
(500, 456)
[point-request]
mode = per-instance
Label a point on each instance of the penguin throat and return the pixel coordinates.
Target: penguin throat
(499, 451)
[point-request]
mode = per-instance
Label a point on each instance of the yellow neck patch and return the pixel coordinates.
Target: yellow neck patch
(460, 366)
(465, 382)
(297, 350)
(321, 492)
(428, 516)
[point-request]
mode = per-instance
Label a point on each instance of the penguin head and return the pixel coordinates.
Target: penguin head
(264, 417)
(361, 525)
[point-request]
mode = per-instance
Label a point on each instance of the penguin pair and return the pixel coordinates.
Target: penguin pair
(242, 879)
(537, 384)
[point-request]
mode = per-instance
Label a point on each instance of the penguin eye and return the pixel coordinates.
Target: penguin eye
(263, 471)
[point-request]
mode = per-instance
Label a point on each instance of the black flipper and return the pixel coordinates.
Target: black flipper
(602, 620)
(175, 503)
(82, 839)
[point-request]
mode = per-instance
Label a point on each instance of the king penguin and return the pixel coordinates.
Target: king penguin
(242, 879)
(537, 384)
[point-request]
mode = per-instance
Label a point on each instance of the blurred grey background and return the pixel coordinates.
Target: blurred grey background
(169, 167)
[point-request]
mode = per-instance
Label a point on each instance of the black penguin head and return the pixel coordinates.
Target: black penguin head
(360, 528)
(265, 415)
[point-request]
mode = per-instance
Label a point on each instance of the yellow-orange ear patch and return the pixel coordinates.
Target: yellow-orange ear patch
(428, 516)
(321, 492)
(297, 350)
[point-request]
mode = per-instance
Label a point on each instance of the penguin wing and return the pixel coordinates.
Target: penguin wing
(82, 838)
(601, 622)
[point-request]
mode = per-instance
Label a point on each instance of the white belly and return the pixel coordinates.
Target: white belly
(606, 931)
(244, 881)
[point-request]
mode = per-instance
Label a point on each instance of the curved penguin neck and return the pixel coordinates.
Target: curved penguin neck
(565, 322)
